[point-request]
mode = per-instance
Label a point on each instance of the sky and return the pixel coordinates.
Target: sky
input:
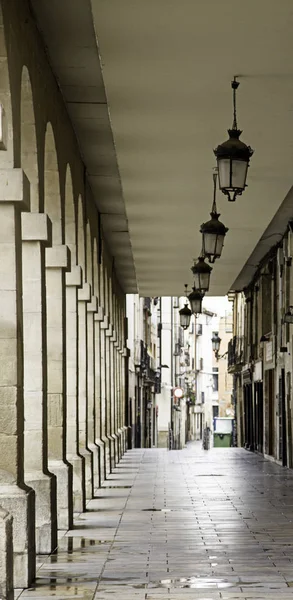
(217, 304)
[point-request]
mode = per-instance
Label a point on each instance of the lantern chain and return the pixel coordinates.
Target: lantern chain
(214, 207)
(234, 85)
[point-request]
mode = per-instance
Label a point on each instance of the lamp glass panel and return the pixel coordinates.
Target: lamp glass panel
(219, 245)
(224, 172)
(185, 321)
(239, 173)
(209, 243)
(195, 305)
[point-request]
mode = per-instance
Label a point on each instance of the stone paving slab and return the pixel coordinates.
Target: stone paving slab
(215, 525)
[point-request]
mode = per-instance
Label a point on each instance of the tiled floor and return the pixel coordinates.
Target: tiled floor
(190, 523)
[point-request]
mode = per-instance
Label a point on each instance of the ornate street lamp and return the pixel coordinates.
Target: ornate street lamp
(195, 299)
(233, 158)
(202, 273)
(216, 342)
(288, 317)
(213, 232)
(185, 313)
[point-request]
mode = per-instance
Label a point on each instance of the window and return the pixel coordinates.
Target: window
(202, 397)
(215, 379)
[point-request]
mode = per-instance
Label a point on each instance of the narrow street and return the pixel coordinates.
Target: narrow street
(216, 524)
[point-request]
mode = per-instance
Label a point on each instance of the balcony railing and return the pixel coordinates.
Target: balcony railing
(235, 353)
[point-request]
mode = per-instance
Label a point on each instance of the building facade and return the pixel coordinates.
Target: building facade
(260, 356)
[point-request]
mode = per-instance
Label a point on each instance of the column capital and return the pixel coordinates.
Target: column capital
(73, 278)
(105, 322)
(85, 293)
(93, 305)
(36, 227)
(114, 336)
(15, 188)
(58, 257)
(99, 316)
(109, 331)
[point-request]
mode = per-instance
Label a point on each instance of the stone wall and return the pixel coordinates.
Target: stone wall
(62, 311)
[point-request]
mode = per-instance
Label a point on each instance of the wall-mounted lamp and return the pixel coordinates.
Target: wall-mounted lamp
(288, 317)
(216, 342)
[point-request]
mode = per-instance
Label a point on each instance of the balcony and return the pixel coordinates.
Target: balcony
(235, 354)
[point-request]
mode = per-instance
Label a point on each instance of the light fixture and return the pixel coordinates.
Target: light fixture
(263, 338)
(195, 299)
(185, 313)
(216, 342)
(288, 317)
(202, 273)
(213, 232)
(233, 158)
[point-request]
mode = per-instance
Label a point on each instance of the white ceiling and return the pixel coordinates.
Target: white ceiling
(167, 67)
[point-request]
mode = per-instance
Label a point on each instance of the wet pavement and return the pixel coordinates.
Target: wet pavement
(214, 524)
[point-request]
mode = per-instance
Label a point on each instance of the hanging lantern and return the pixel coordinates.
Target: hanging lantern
(185, 316)
(233, 158)
(202, 273)
(216, 342)
(213, 232)
(195, 299)
(185, 313)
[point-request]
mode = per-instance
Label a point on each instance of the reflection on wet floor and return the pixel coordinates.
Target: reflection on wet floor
(214, 525)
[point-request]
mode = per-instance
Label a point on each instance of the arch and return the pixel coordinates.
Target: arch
(89, 255)
(95, 269)
(6, 157)
(28, 142)
(52, 200)
(70, 221)
(81, 237)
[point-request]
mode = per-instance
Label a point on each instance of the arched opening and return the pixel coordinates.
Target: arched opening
(81, 238)
(28, 144)
(73, 283)
(56, 265)
(36, 473)
(52, 199)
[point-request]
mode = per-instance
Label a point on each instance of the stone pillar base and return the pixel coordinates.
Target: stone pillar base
(101, 446)
(88, 465)
(124, 437)
(63, 472)
(20, 503)
(6, 556)
(95, 450)
(78, 482)
(45, 490)
(115, 438)
(107, 463)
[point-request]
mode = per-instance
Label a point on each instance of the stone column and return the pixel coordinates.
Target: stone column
(99, 317)
(6, 556)
(36, 234)
(109, 397)
(15, 497)
(92, 309)
(57, 262)
(73, 283)
(104, 398)
(84, 296)
(114, 395)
